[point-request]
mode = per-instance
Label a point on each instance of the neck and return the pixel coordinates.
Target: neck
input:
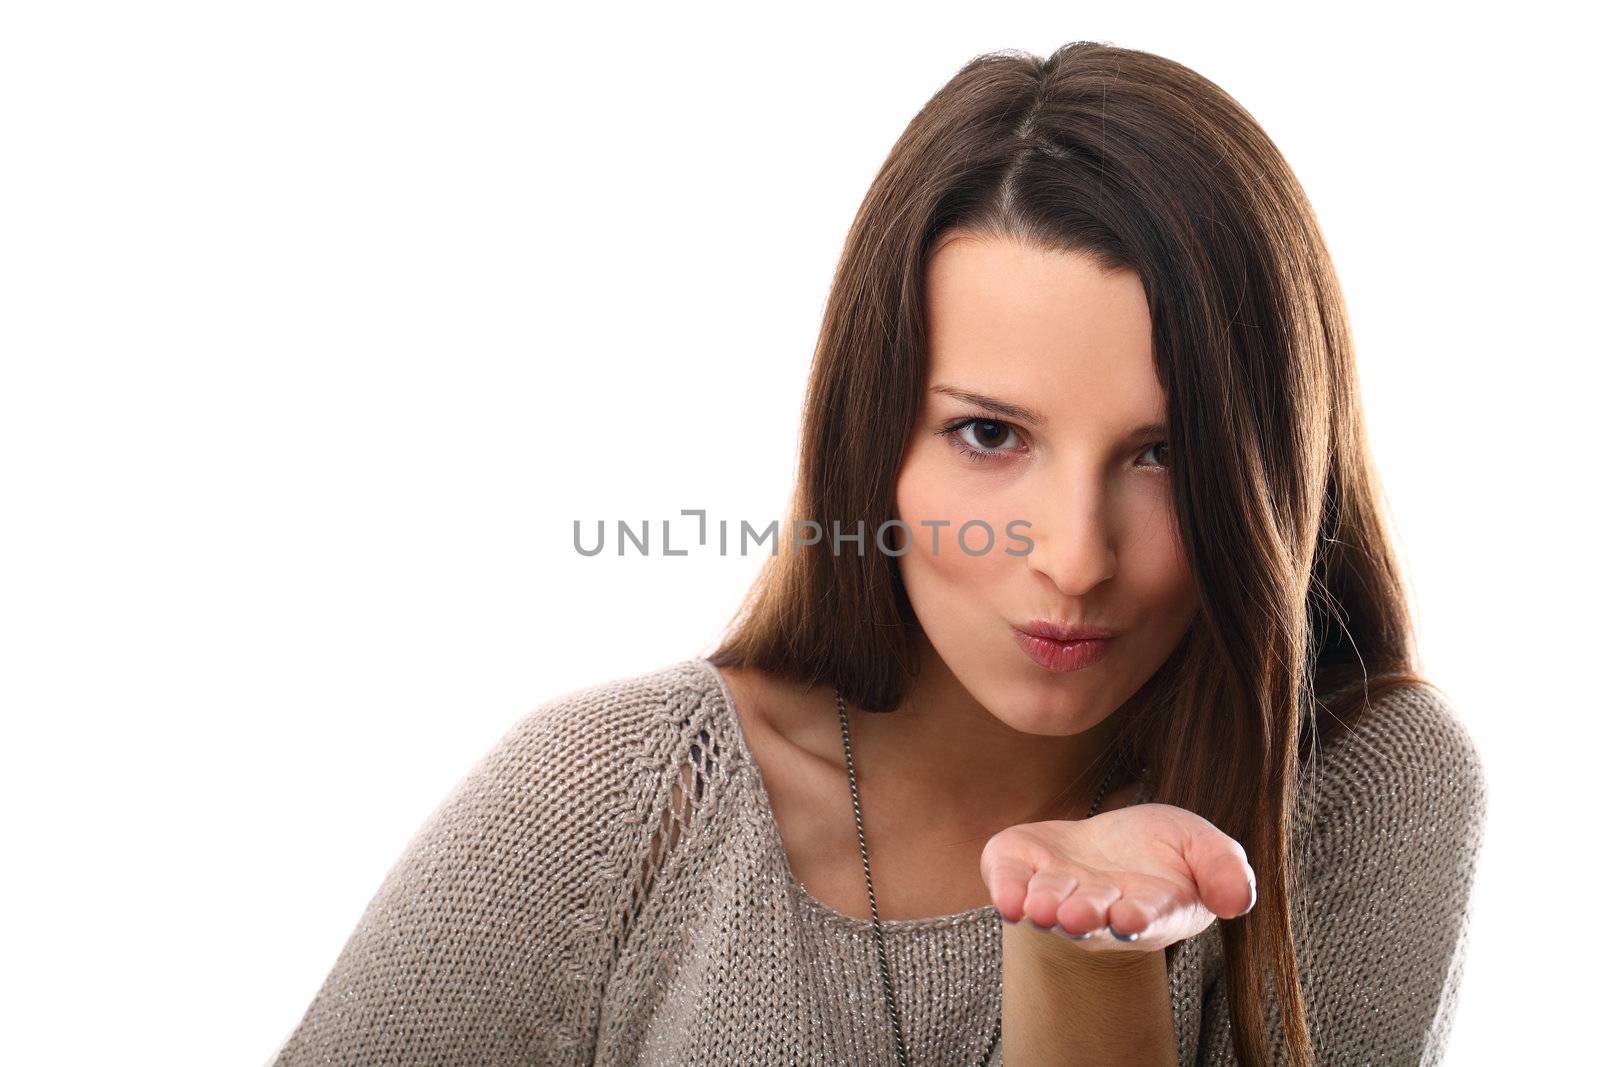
(949, 761)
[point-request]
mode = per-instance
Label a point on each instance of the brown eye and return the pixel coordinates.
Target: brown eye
(988, 433)
(982, 439)
(1165, 449)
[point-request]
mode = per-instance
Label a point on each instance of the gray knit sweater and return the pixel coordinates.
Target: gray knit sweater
(564, 905)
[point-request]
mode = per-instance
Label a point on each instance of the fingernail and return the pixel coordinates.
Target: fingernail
(1252, 899)
(1078, 937)
(1121, 936)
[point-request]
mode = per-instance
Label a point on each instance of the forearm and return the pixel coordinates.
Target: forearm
(1065, 1004)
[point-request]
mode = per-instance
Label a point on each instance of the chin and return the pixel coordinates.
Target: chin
(1038, 706)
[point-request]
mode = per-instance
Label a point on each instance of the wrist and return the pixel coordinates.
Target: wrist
(1065, 1003)
(1052, 953)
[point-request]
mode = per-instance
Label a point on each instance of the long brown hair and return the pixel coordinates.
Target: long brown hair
(1144, 165)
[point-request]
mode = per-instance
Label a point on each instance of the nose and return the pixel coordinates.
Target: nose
(1072, 541)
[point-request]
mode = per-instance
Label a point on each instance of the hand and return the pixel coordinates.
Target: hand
(1157, 872)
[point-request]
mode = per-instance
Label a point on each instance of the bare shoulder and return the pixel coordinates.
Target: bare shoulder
(750, 693)
(785, 728)
(779, 719)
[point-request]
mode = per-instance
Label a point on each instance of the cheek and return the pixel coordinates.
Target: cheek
(1159, 568)
(926, 492)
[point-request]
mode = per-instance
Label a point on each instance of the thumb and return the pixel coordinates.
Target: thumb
(1223, 875)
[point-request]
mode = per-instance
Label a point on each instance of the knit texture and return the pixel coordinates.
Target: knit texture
(607, 885)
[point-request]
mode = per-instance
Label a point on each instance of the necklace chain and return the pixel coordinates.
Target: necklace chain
(872, 898)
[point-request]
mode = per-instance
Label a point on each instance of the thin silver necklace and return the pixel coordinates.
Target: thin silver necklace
(872, 898)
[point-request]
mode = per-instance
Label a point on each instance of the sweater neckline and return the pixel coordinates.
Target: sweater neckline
(774, 838)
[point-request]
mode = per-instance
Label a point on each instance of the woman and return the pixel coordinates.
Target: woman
(1095, 738)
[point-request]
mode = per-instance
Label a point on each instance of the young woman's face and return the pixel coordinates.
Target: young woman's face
(1042, 394)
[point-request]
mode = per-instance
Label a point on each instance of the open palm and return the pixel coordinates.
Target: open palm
(1157, 872)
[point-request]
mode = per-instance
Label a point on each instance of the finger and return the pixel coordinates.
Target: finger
(1008, 885)
(1139, 908)
(1223, 874)
(1084, 911)
(1045, 892)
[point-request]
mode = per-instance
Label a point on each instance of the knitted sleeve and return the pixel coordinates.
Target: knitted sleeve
(491, 939)
(1381, 926)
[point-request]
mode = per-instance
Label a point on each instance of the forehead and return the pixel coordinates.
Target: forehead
(1052, 330)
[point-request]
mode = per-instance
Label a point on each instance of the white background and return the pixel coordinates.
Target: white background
(322, 322)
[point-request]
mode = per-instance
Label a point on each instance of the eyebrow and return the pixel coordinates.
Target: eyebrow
(1024, 414)
(999, 407)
